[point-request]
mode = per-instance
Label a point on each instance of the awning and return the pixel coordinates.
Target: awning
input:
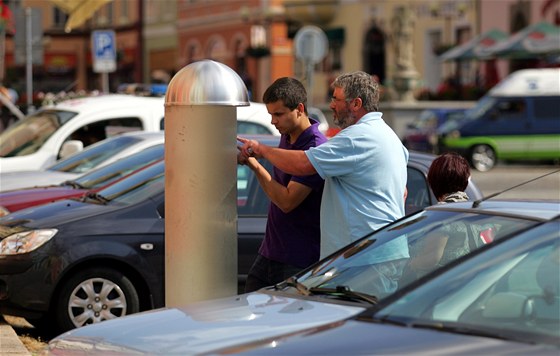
(476, 48)
(79, 11)
(535, 41)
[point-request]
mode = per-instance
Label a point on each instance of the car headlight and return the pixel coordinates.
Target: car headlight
(3, 211)
(25, 241)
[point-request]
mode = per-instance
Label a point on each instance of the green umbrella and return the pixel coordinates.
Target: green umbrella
(539, 40)
(476, 48)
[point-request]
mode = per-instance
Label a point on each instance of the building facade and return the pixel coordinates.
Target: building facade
(156, 38)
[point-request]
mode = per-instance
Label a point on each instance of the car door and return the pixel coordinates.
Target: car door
(252, 210)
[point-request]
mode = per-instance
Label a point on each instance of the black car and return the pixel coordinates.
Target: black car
(56, 258)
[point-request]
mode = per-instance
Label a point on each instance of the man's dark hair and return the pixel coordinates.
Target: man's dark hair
(448, 173)
(290, 90)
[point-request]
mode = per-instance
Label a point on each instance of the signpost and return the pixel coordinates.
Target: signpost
(104, 51)
(311, 46)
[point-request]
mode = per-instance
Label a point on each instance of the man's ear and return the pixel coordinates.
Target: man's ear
(357, 104)
(301, 108)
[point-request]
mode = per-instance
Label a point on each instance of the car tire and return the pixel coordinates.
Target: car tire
(93, 295)
(483, 158)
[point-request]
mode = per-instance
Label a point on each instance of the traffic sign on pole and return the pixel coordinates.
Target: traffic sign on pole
(103, 48)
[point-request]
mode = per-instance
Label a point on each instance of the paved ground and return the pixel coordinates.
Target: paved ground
(10, 344)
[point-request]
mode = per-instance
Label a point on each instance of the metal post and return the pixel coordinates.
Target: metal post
(200, 182)
(29, 61)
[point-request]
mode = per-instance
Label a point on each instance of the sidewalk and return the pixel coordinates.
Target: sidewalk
(10, 344)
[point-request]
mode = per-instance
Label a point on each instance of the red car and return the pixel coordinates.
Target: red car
(92, 181)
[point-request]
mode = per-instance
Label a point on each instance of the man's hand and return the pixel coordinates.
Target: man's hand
(250, 148)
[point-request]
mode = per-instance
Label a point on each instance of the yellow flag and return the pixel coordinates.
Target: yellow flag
(79, 11)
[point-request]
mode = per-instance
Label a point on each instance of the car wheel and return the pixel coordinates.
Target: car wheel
(93, 295)
(483, 158)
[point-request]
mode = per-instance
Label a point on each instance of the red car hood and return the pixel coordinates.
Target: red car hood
(23, 198)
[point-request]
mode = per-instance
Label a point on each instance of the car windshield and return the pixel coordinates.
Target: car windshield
(483, 105)
(401, 253)
(94, 155)
(510, 291)
(104, 175)
(28, 135)
(426, 120)
(136, 187)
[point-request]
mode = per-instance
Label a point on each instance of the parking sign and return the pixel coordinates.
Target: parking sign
(103, 48)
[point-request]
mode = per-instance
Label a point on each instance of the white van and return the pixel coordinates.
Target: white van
(519, 119)
(60, 130)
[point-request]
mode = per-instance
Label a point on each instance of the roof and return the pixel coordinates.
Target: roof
(529, 82)
(107, 102)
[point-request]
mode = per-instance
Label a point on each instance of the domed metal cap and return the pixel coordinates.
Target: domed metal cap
(207, 83)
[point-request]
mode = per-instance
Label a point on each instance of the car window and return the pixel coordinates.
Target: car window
(546, 108)
(251, 199)
(100, 130)
(402, 253)
(512, 108)
(427, 119)
(92, 156)
(511, 290)
(252, 128)
(419, 195)
(136, 187)
(104, 175)
(28, 135)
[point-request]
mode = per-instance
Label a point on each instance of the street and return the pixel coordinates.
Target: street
(504, 176)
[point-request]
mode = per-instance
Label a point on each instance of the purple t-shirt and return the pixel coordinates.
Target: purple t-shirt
(294, 238)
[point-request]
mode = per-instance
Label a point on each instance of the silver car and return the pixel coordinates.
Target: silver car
(365, 274)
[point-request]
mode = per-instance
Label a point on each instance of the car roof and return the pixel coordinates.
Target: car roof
(106, 102)
(529, 82)
(529, 209)
(145, 135)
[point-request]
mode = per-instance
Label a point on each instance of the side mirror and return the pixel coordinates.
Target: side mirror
(70, 147)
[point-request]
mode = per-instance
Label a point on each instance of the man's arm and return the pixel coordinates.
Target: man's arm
(286, 198)
(294, 162)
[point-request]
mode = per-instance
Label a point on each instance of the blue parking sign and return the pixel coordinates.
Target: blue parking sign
(103, 48)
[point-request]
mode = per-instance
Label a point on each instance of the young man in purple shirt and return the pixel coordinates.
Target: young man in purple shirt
(292, 239)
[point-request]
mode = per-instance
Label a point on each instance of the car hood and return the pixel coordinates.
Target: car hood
(353, 337)
(27, 179)
(21, 198)
(203, 327)
(51, 215)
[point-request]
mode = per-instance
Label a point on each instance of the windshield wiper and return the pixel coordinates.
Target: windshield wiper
(293, 282)
(73, 184)
(95, 196)
(346, 292)
(459, 329)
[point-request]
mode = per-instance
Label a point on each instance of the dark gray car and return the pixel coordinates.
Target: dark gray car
(57, 257)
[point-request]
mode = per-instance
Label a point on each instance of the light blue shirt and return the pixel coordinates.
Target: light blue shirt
(364, 167)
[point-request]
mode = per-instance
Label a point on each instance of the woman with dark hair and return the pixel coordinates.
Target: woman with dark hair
(448, 177)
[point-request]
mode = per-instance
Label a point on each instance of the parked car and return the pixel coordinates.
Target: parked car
(97, 155)
(92, 181)
(59, 130)
(67, 242)
(366, 274)
(519, 119)
(421, 134)
(502, 301)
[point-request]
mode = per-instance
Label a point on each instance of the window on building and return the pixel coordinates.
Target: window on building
(59, 18)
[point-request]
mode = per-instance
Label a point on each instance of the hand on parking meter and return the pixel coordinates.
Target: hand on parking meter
(250, 148)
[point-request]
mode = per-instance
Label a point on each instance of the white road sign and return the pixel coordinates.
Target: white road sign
(103, 48)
